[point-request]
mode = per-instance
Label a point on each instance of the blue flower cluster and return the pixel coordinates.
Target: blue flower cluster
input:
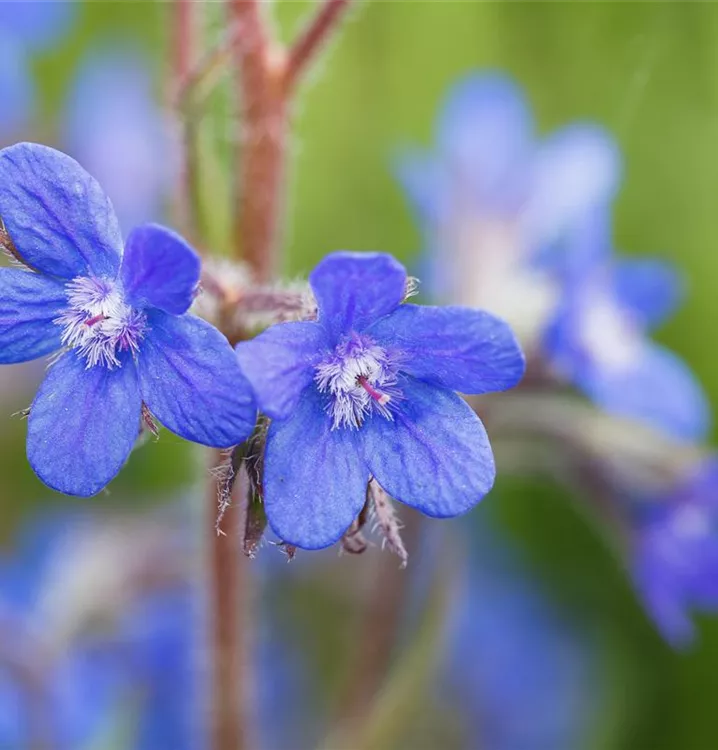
(367, 389)
(522, 227)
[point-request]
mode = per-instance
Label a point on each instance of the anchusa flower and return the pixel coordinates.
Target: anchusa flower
(598, 337)
(127, 346)
(492, 197)
(367, 390)
(675, 551)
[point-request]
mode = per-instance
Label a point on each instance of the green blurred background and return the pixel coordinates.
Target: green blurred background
(646, 71)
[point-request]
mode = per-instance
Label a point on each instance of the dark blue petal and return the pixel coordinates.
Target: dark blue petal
(576, 169)
(58, 216)
(434, 455)
(648, 287)
(314, 477)
(159, 269)
(83, 425)
(354, 289)
(28, 305)
(191, 381)
(458, 348)
(485, 133)
(114, 125)
(658, 389)
(279, 364)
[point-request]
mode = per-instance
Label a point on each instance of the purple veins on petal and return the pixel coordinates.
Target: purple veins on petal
(122, 321)
(370, 384)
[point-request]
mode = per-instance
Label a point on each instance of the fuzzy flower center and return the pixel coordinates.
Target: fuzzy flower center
(358, 377)
(98, 323)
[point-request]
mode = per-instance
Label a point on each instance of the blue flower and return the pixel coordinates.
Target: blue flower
(517, 667)
(25, 27)
(368, 390)
(492, 196)
(116, 129)
(137, 670)
(598, 337)
(675, 552)
(37, 25)
(120, 320)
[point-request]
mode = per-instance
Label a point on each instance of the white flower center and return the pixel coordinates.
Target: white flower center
(98, 323)
(358, 376)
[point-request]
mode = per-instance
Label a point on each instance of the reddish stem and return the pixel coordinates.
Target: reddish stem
(229, 596)
(311, 39)
(261, 160)
(183, 54)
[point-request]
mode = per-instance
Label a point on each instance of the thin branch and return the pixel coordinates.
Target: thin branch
(311, 39)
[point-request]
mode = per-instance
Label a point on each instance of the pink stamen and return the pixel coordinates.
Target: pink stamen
(92, 321)
(381, 398)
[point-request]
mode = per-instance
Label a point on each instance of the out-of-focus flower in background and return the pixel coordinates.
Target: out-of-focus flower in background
(25, 28)
(116, 128)
(522, 674)
(97, 630)
(598, 338)
(675, 551)
(492, 197)
(37, 25)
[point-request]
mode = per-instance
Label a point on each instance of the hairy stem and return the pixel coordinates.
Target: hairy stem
(311, 39)
(229, 633)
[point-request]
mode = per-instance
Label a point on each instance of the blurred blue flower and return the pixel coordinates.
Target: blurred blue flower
(37, 25)
(492, 196)
(115, 128)
(25, 28)
(598, 338)
(121, 317)
(675, 554)
(98, 627)
(368, 390)
(17, 89)
(519, 671)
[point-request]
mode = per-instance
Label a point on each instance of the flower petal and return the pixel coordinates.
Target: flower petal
(191, 381)
(434, 455)
(314, 477)
(577, 168)
(658, 389)
(159, 269)
(279, 364)
(83, 425)
(58, 216)
(29, 303)
(458, 348)
(485, 133)
(650, 288)
(354, 289)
